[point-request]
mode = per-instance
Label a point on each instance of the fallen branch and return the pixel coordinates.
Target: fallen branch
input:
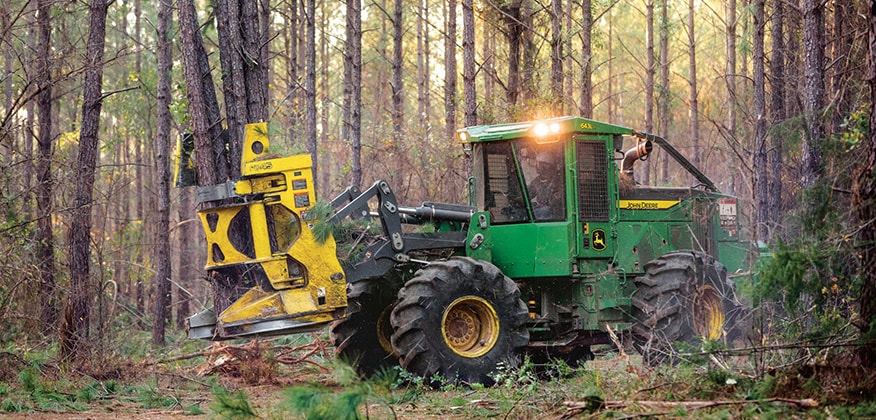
(791, 346)
(226, 348)
(183, 357)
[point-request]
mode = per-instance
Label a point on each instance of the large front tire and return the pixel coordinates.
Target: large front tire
(459, 320)
(362, 339)
(683, 297)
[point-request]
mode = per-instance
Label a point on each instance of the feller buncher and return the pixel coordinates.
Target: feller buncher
(558, 249)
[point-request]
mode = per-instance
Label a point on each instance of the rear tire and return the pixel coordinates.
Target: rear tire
(362, 339)
(459, 320)
(683, 297)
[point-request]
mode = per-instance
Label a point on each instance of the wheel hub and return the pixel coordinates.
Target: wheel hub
(470, 326)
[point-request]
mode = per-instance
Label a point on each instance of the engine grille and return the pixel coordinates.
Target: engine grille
(593, 181)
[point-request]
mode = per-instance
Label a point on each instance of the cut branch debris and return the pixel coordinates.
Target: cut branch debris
(573, 408)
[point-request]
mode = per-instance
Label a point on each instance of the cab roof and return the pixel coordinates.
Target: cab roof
(552, 127)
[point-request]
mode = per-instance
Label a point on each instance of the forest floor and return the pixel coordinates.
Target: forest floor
(281, 381)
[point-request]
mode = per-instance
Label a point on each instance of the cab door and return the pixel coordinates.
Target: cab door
(525, 241)
(595, 195)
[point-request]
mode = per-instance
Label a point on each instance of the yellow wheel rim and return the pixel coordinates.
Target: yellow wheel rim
(708, 315)
(384, 329)
(470, 326)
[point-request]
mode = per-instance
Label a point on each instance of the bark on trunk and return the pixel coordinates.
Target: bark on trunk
(692, 98)
(663, 95)
(45, 244)
(310, 88)
(557, 56)
(649, 82)
(569, 95)
(777, 117)
(162, 161)
(201, 94)
(586, 102)
(186, 273)
(515, 28)
(291, 35)
(450, 71)
(843, 38)
(864, 203)
(397, 80)
(75, 330)
(468, 63)
(813, 99)
(353, 87)
(760, 152)
(730, 77)
(527, 35)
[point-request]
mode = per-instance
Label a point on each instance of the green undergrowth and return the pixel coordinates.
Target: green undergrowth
(122, 375)
(329, 389)
(608, 387)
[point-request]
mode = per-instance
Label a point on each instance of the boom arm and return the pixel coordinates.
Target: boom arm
(686, 164)
(393, 250)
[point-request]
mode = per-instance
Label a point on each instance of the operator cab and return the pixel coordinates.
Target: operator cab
(547, 189)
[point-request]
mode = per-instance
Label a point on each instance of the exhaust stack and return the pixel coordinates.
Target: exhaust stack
(631, 156)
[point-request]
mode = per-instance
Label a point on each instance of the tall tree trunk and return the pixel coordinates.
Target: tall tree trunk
(397, 76)
(256, 70)
(211, 158)
(264, 15)
(569, 95)
(162, 161)
(140, 215)
(427, 90)
(557, 56)
(29, 116)
(730, 76)
(291, 35)
(514, 31)
(245, 79)
(422, 72)
(75, 330)
(488, 67)
(353, 86)
(777, 117)
(694, 107)
(45, 243)
(186, 268)
(813, 100)
(649, 81)
(529, 53)
(310, 87)
(664, 91)
(793, 62)
(586, 101)
(230, 26)
(201, 95)
(610, 86)
(864, 204)
(759, 165)
(468, 63)
(450, 71)
(325, 167)
(5, 132)
(843, 38)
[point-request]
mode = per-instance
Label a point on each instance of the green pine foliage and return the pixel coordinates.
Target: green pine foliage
(814, 274)
(317, 402)
(231, 405)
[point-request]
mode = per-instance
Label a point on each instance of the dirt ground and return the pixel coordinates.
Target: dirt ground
(619, 379)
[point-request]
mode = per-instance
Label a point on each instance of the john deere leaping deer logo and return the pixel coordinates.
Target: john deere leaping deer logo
(598, 240)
